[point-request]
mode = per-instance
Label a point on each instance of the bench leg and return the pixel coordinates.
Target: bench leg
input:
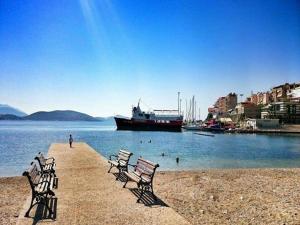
(141, 195)
(53, 172)
(125, 182)
(31, 205)
(119, 174)
(44, 202)
(39, 200)
(109, 169)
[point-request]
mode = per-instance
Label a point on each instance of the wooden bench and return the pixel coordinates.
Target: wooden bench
(47, 165)
(120, 162)
(142, 174)
(41, 186)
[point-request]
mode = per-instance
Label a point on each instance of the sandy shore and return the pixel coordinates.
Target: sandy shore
(256, 196)
(235, 196)
(13, 193)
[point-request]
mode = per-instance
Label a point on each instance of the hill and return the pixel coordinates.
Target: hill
(60, 115)
(10, 117)
(8, 110)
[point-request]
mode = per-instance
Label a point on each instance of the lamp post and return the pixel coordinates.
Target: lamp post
(241, 97)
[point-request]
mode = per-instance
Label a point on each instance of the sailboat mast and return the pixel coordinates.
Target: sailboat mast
(180, 106)
(186, 110)
(195, 110)
(178, 102)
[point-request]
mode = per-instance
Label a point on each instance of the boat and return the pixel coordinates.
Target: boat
(213, 126)
(192, 127)
(156, 120)
(191, 123)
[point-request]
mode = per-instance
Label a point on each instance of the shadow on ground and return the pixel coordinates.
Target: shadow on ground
(148, 199)
(42, 213)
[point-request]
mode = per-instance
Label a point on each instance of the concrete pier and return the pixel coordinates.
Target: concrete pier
(87, 194)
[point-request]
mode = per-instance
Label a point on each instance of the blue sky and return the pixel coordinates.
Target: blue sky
(100, 57)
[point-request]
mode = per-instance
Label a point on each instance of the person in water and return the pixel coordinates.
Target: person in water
(70, 140)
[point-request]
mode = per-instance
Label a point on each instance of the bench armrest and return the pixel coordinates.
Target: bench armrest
(147, 174)
(112, 156)
(51, 158)
(131, 165)
(50, 163)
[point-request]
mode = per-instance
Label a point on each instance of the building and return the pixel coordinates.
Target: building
(294, 94)
(230, 101)
(214, 111)
(261, 98)
(245, 110)
(287, 112)
(262, 124)
(265, 98)
(225, 104)
(221, 105)
(254, 99)
(282, 92)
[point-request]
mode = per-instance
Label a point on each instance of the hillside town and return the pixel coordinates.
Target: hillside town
(272, 109)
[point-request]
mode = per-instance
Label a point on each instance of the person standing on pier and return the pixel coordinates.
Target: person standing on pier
(70, 140)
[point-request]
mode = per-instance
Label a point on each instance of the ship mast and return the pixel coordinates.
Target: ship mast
(178, 103)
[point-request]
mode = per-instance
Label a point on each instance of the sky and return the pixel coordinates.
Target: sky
(101, 57)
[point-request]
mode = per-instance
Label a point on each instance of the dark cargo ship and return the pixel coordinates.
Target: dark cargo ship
(158, 120)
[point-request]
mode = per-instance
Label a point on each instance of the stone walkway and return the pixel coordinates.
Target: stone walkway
(87, 194)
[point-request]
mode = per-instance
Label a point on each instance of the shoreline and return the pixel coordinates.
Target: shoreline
(207, 196)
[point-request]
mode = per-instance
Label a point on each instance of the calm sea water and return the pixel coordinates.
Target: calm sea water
(20, 141)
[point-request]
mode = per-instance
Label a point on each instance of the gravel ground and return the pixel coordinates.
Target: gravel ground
(233, 196)
(13, 193)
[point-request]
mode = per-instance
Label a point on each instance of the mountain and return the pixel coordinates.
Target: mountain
(60, 115)
(6, 109)
(10, 117)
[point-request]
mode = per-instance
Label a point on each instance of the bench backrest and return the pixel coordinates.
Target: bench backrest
(145, 168)
(124, 156)
(41, 159)
(33, 175)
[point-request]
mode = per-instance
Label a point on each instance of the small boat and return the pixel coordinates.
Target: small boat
(214, 128)
(192, 127)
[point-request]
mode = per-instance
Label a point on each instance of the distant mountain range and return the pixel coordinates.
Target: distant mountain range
(6, 109)
(10, 113)
(60, 115)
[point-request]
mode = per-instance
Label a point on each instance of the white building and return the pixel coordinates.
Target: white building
(262, 123)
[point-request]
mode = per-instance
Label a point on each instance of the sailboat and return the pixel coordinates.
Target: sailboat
(191, 121)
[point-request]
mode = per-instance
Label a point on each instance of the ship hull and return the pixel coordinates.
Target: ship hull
(147, 125)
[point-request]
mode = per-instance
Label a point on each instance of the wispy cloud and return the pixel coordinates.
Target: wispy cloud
(102, 19)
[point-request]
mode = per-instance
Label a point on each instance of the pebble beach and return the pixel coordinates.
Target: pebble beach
(228, 196)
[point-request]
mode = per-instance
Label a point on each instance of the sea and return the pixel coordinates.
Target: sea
(20, 141)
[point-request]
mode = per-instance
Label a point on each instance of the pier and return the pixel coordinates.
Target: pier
(87, 194)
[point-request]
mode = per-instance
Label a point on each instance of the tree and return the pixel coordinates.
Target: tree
(209, 116)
